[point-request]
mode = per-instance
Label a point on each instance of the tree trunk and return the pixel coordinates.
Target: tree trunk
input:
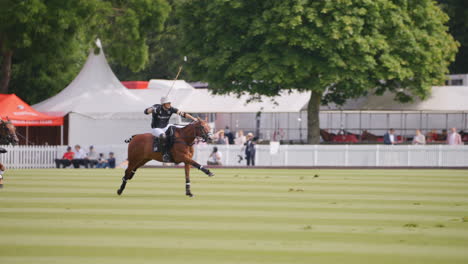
(313, 120)
(6, 71)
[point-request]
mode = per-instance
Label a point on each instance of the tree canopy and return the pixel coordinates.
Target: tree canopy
(336, 49)
(457, 10)
(44, 43)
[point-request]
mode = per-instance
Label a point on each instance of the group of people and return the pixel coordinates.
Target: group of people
(247, 142)
(79, 157)
(452, 138)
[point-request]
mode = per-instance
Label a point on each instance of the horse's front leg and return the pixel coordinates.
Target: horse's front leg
(187, 180)
(200, 167)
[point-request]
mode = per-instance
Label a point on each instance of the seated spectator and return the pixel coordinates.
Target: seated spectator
(431, 136)
(443, 135)
(92, 157)
(215, 157)
(66, 159)
(110, 163)
(101, 161)
(419, 138)
(79, 158)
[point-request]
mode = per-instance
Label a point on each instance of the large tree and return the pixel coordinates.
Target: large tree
(37, 31)
(335, 49)
(44, 43)
(457, 10)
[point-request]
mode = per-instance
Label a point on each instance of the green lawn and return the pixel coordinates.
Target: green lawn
(238, 216)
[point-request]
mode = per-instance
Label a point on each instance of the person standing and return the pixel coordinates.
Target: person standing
(389, 137)
(454, 138)
(229, 135)
(419, 138)
(250, 150)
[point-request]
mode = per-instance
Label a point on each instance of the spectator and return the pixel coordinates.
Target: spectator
(250, 150)
(229, 136)
(92, 157)
(389, 137)
(240, 138)
(215, 157)
(79, 158)
(431, 136)
(454, 138)
(419, 138)
(443, 135)
(66, 159)
(101, 161)
(221, 139)
(110, 161)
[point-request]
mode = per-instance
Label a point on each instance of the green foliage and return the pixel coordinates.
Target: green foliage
(337, 49)
(130, 28)
(164, 58)
(346, 48)
(458, 24)
(51, 38)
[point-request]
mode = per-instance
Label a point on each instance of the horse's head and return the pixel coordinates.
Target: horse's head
(202, 129)
(8, 132)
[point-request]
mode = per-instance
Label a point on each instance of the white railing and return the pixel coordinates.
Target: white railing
(287, 155)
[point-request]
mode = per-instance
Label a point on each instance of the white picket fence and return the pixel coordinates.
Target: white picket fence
(20, 157)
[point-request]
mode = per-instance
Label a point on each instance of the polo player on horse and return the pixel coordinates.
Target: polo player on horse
(160, 123)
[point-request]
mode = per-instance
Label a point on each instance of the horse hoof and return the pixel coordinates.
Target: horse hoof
(210, 174)
(189, 194)
(119, 192)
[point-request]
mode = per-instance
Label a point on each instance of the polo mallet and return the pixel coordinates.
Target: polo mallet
(177, 76)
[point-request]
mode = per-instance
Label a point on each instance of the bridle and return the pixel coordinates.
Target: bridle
(202, 132)
(6, 133)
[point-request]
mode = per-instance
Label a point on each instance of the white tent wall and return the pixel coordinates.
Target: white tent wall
(88, 130)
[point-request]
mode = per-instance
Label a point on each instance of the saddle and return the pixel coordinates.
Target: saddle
(158, 147)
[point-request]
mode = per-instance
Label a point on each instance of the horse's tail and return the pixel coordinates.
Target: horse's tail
(130, 139)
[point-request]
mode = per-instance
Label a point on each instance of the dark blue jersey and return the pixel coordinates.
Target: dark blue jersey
(161, 116)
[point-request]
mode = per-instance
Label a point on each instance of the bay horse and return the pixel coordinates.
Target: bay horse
(140, 151)
(7, 137)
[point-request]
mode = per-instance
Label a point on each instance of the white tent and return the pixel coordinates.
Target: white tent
(442, 99)
(192, 100)
(94, 101)
(95, 91)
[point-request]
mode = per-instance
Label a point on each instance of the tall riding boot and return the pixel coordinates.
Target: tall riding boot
(163, 145)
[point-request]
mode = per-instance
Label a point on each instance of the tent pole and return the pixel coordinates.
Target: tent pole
(27, 135)
(61, 135)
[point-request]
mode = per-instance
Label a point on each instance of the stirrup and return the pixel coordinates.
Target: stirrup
(166, 157)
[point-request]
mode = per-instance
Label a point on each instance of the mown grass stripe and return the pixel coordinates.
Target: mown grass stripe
(240, 216)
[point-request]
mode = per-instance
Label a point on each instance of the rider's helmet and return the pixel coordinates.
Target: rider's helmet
(165, 100)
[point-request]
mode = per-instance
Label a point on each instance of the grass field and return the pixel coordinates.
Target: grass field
(238, 216)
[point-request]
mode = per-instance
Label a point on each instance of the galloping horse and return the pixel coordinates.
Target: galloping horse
(140, 151)
(7, 136)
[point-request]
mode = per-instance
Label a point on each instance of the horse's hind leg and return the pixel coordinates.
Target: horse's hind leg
(129, 173)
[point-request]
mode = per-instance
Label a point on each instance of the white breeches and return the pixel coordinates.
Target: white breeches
(158, 131)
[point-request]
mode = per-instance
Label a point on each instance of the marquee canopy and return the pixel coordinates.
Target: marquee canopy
(21, 114)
